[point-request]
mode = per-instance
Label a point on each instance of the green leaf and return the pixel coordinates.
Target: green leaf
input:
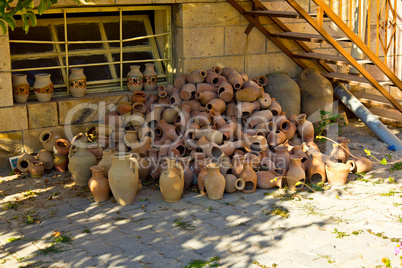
(322, 112)
(32, 17)
(367, 152)
(3, 27)
(2, 7)
(25, 24)
(43, 6)
(9, 20)
(384, 162)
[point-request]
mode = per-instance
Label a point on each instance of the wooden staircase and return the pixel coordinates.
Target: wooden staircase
(386, 107)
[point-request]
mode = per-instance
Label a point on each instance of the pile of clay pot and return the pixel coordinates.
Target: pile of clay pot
(216, 129)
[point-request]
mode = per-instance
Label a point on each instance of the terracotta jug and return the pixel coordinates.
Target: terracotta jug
(23, 162)
(217, 105)
(183, 118)
(213, 78)
(211, 149)
(123, 178)
(106, 161)
(266, 164)
(195, 105)
(36, 168)
(180, 80)
(99, 185)
(275, 107)
(233, 183)
(43, 87)
(198, 158)
(285, 90)
(225, 92)
(276, 138)
(214, 182)
(205, 97)
(172, 181)
(135, 79)
(259, 117)
(60, 163)
(150, 77)
(245, 109)
(237, 163)
(316, 169)
(236, 80)
(249, 94)
(80, 162)
(362, 165)
(170, 131)
(202, 174)
(188, 173)
(175, 99)
(48, 139)
(337, 173)
(78, 82)
(188, 91)
(341, 153)
(124, 107)
(20, 88)
(268, 179)
(282, 157)
(203, 87)
(295, 173)
(140, 96)
(46, 157)
(305, 128)
(197, 76)
(265, 101)
(61, 147)
(169, 115)
(249, 176)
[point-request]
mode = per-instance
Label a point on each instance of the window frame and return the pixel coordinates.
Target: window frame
(159, 42)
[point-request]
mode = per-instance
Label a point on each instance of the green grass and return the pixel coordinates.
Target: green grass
(183, 225)
(63, 239)
(396, 166)
(50, 249)
(13, 239)
(213, 262)
(86, 231)
(339, 234)
(278, 211)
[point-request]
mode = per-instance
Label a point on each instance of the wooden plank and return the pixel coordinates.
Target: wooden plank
(351, 79)
(316, 38)
(329, 58)
(372, 100)
(387, 116)
(275, 13)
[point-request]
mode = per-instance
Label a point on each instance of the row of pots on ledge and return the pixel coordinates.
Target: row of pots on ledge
(43, 86)
(217, 129)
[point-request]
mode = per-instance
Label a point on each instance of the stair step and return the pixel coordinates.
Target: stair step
(389, 117)
(316, 38)
(334, 59)
(352, 79)
(375, 101)
(275, 13)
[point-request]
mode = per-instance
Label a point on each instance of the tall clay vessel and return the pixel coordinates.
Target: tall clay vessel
(150, 77)
(295, 173)
(20, 88)
(106, 161)
(80, 163)
(172, 181)
(341, 153)
(249, 176)
(135, 79)
(43, 87)
(214, 182)
(99, 185)
(78, 82)
(123, 178)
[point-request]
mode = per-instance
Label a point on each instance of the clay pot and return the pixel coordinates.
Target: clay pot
(236, 80)
(48, 139)
(266, 128)
(124, 107)
(99, 185)
(80, 162)
(163, 97)
(175, 99)
(154, 116)
(195, 105)
(211, 149)
(213, 78)
(295, 173)
(217, 105)
(275, 107)
(197, 76)
(150, 101)
(226, 71)
(337, 173)
(266, 164)
(188, 91)
(282, 157)
(233, 183)
(43, 87)
(285, 126)
(172, 181)
(180, 80)
(203, 87)
(169, 130)
(169, 115)
(123, 178)
(20, 88)
(339, 154)
(259, 117)
(249, 94)
(245, 109)
(285, 90)
(139, 96)
(106, 161)
(228, 147)
(205, 97)
(255, 143)
(135, 79)
(202, 119)
(183, 118)
(188, 173)
(46, 158)
(150, 77)
(139, 107)
(202, 174)
(254, 157)
(316, 169)
(61, 147)
(225, 91)
(305, 128)
(362, 165)
(249, 176)
(268, 179)
(214, 182)
(216, 69)
(153, 159)
(237, 163)
(113, 120)
(23, 162)
(209, 134)
(262, 80)
(36, 168)
(231, 110)
(316, 92)
(60, 163)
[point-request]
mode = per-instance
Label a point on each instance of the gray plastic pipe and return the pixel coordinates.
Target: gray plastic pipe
(371, 121)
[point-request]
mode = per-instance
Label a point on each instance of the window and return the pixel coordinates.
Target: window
(103, 41)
